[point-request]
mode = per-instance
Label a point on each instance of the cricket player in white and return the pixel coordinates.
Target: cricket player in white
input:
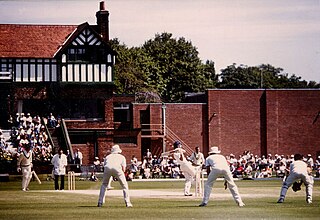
(115, 165)
(217, 166)
(186, 167)
(24, 165)
(298, 171)
(60, 162)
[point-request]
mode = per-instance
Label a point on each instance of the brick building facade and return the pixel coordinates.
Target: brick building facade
(66, 80)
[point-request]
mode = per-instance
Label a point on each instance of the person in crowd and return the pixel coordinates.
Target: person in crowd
(24, 165)
(60, 163)
(134, 166)
(96, 164)
(298, 171)
(93, 177)
(52, 121)
(148, 155)
(217, 166)
(310, 162)
(115, 166)
(186, 167)
(78, 157)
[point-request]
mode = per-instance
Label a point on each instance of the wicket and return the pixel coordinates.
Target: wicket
(199, 189)
(71, 181)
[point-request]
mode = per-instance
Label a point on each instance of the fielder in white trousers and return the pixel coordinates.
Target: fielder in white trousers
(298, 171)
(114, 167)
(219, 168)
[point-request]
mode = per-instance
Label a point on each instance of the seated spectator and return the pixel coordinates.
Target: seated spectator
(238, 171)
(156, 172)
(248, 171)
(134, 166)
(176, 172)
(281, 172)
(52, 121)
(93, 177)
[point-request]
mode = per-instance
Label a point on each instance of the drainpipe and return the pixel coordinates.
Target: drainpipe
(163, 127)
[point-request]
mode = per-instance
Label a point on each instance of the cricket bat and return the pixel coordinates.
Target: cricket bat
(36, 176)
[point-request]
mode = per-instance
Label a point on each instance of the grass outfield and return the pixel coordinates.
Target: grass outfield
(259, 196)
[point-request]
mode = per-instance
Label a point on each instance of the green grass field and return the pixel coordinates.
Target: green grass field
(259, 196)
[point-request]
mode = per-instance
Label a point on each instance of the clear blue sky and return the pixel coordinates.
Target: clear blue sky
(282, 33)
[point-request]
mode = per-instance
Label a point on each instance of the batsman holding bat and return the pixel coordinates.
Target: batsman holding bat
(186, 167)
(24, 165)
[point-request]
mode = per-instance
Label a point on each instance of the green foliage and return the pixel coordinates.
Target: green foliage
(263, 76)
(163, 69)
(165, 66)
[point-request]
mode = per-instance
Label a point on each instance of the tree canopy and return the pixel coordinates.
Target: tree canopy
(166, 68)
(264, 76)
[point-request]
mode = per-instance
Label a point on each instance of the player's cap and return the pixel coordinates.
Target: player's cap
(214, 150)
(309, 155)
(176, 144)
(116, 149)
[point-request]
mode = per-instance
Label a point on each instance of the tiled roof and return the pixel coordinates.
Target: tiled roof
(32, 41)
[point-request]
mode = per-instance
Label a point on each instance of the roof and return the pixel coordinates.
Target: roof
(32, 41)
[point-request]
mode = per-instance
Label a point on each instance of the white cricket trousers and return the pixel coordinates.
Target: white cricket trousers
(226, 174)
(26, 176)
(108, 172)
(293, 177)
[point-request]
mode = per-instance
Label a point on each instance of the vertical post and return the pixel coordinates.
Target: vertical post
(163, 127)
(261, 79)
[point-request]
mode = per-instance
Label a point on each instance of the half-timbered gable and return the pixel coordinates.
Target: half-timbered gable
(85, 57)
(64, 69)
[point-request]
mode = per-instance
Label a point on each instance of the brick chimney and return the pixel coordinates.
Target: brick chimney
(103, 21)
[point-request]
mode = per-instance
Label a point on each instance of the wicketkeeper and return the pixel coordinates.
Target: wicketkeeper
(298, 171)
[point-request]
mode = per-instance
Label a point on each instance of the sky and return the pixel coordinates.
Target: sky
(283, 33)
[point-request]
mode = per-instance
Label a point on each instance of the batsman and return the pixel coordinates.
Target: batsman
(186, 167)
(24, 165)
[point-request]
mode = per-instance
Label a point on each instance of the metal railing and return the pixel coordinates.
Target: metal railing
(158, 130)
(66, 137)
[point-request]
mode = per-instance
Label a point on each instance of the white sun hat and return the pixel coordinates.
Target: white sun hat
(116, 149)
(214, 150)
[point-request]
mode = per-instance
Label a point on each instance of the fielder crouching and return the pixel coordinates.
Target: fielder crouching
(217, 166)
(24, 165)
(115, 165)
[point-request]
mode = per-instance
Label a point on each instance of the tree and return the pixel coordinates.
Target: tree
(130, 76)
(176, 67)
(263, 76)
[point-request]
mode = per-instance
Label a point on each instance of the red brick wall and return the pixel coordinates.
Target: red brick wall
(186, 121)
(290, 126)
(234, 120)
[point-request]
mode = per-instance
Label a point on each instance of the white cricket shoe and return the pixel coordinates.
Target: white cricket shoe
(241, 204)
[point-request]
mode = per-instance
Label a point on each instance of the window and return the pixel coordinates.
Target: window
(77, 54)
(121, 112)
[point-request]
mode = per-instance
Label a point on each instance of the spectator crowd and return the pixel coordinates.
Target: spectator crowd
(28, 130)
(246, 165)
